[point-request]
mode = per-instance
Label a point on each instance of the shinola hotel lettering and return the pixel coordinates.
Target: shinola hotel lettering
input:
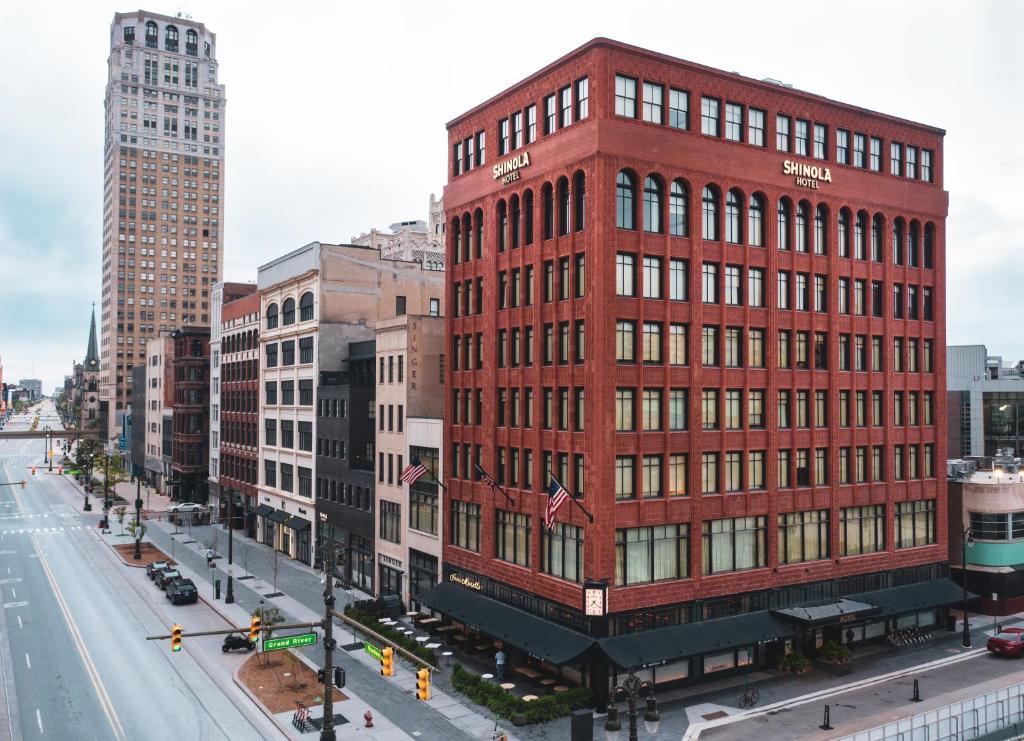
(508, 170)
(806, 175)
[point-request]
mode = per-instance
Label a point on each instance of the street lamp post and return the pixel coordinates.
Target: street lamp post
(229, 597)
(633, 688)
(968, 541)
(327, 732)
(138, 517)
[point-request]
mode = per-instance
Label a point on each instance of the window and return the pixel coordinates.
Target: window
(782, 230)
(512, 537)
(709, 409)
(678, 209)
(306, 307)
(709, 116)
(652, 277)
(625, 274)
(709, 473)
(803, 536)
(271, 351)
(650, 480)
(550, 114)
(801, 138)
(624, 477)
(625, 96)
(503, 138)
(733, 544)
(272, 316)
(652, 102)
(649, 554)
(652, 205)
(531, 126)
(858, 150)
(305, 350)
(755, 221)
(678, 109)
(820, 143)
(733, 283)
(895, 158)
(782, 133)
(733, 409)
(678, 280)
(465, 528)
(911, 169)
(755, 127)
(782, 293)
(710, 213)
(678, 340)
(733, 347)
(306, 392)
(582, 99)
(914, 524)
(390, 521)
(802, 218)
(625, 197)
(733, 222)
(625, 341)
(288, 312)
(926, 168)
(561, 552)
(876, 154)
(709, 346)
(734, 122)
(842, 146)
(517, 130)
(625, 415)
(755, 408)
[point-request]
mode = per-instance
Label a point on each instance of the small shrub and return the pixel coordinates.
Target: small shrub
(399, 639)
(506, 705)
(794, 662)
(835, 653)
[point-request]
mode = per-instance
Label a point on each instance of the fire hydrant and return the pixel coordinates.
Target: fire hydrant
(368, 717)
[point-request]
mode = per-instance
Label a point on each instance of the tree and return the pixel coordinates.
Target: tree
(119, 513)
(87, 448)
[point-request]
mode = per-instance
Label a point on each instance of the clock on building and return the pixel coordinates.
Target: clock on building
(595, 598)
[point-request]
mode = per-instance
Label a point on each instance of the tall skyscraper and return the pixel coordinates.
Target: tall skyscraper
(162, 190)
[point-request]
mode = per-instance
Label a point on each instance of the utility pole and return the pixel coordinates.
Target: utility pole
(327, 729)
(229, 597)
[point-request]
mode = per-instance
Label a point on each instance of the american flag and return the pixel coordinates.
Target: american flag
(556, 497)
(412, 472)
(484, 476)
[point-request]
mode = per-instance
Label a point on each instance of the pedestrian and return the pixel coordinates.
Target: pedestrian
(209, 558)
(499, 665)
(849, 638)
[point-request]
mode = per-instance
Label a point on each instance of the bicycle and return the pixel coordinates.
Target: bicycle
(749, 697)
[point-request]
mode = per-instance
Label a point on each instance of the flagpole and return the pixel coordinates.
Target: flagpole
(573, 498)
(489, 480)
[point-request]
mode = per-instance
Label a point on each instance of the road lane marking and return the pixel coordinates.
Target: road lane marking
(27, 662)
(90, 667)
(39, 720)
(8, 605)
(19, 622)
(13, 580)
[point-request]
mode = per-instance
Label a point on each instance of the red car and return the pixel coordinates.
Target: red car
(1008, 642)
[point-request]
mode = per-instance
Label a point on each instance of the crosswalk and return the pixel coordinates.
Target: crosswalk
(30, 515)
(42, 530)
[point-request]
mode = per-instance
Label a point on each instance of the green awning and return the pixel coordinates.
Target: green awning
(662, 645)
(279, 516)
(263, 510)
(911, 597)
(538, 637)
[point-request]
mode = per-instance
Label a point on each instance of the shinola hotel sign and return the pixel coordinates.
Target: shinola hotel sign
(806, 176)
(508, 170)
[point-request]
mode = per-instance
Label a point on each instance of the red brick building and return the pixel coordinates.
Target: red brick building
(714, 309)
(190, 421)
(239, 406)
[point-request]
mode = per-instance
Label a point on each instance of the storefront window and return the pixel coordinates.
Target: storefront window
(422, 573)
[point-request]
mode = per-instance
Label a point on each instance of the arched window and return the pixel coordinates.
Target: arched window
(820, 223)
(288, 312)
(272, 316)
(502, 225)
(929, 245)
(528, 217)
(803, 213)
(563, 206)
(913, 240)
(755, 221)
(783, 224)
(877, 233)
(579, 200)
(547, 196)
(679, 209)
(152, 35)
(897, 241)
(514, 217)
(191, 43)
(733, 233)
(478, 238)
(625, 196)
(467, 238)
(171, 38)
(710, 213)
(306, 307)
(456, 232)
(652, 205)
(843, 238)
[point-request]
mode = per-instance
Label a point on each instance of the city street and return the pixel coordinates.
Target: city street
(75, 662)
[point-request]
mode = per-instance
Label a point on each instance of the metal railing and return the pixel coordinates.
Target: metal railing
(961, 721)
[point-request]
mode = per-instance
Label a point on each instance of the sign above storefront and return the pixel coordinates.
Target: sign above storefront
(806, 176)
(465, 581)
(508, 170)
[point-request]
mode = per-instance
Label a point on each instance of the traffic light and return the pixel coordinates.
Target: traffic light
(423, 684)
(339, 677)
(387, 662)
(321, 676)
(255, 625)
(176, 638)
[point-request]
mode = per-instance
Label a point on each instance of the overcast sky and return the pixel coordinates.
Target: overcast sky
(336, 113)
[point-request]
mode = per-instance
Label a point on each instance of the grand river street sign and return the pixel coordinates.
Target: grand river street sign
(276, 644)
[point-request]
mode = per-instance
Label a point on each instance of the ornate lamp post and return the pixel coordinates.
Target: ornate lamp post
(967, 542)
(229, 597)
(633, 688)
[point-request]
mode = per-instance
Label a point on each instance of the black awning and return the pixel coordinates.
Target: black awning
(910, 597)
(279, 515)
(827, 613)
(263, 510)
(298, 523)
(537, 636)
(660, 645)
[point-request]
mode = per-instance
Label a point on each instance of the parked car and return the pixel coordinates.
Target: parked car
(182, 507)
(153, 568)
(157, 572)
(1008, 642)
(182, 592)
(164, 578)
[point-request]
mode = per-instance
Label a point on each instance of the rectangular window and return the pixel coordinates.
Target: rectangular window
(709, 409)
(755, 127)
(625, 477)
(625, 274)
(678, 344)
(625, 341)
(911, 169)
(733, 544)
(625, 96)
(782, 133)
(652, 277)
(390, 521)
(895, 158)
(531, 124)
(565, 95)
(561, 551)
(926, 169)
(649, 554)
(678, 280)
(801, 138)
(653, 102)
(820, 141)
(551, 114)
(802, 536)
(709, 346)
(652, 342)
(678, 109)
(709, 284)
(503, 139)
(709, 116)
(876, 154)
(465, 526)
(914, 524)
(858, 150)
(709, 473)
(582, 99)
(734, 122)
(842, 146)
(512, 537)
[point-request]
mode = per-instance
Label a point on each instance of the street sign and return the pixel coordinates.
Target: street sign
(373, 651)
(122, 442)
(276, 644)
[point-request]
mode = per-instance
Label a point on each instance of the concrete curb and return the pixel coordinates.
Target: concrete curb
(263, 708)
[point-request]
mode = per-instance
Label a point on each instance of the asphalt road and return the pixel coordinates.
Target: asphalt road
(75, 664)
